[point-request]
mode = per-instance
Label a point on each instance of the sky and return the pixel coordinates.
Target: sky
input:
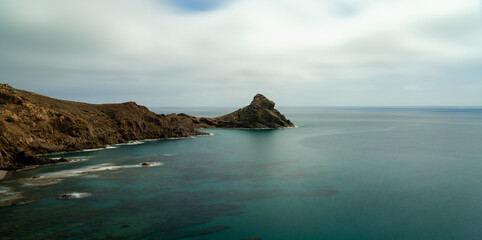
(179, 53)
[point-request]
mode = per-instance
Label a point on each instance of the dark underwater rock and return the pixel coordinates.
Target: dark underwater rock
(150, 164)
(67, 196)
(252, 238)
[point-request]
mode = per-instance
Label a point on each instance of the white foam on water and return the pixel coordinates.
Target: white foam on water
(175, 138)
(7, 196)
(151, 164)
(55, 177)
(92, 149)
(207, 135)
(77, 160)
(75, 195)
(112, 146)
(97, 149)
(71, 160)
(131, 143)
(90, 176)
(38, 182)
(81, 157)
(4, 189)
(151, 139)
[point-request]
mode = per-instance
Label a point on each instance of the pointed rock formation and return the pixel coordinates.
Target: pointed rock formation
(260, 114)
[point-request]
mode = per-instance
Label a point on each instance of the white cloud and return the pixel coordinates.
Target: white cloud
(244, 47)
(412, 88)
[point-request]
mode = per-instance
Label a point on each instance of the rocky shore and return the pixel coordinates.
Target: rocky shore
(3, 174)
(32, 124)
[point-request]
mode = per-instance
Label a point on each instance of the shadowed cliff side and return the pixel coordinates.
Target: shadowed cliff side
(32, 124)
(260, 114)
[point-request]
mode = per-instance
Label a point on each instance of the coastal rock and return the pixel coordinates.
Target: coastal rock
(3, 174)
(67, 196)
(32, 124)
(150, 164)
(260, 114)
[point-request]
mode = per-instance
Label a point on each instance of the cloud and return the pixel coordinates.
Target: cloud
(412, 88)
(197, 5)
(164, 54)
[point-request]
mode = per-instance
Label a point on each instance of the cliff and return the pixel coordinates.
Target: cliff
(32, 124)
(260, 114)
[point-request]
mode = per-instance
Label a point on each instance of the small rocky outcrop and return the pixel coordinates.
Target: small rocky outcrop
(67, 196)
(260, 114)
(150, 164)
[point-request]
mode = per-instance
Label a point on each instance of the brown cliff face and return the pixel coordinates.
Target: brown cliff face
(260, 114)
(32, 124)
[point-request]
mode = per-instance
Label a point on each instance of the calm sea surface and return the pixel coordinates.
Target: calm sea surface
(344, 173)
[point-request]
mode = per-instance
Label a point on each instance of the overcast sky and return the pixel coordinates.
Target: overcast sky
(223, 52)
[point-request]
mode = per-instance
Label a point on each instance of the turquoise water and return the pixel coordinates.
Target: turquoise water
(344, 173)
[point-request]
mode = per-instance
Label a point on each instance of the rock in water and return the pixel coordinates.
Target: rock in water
(260, 114)
(150, 164)
(66, 196)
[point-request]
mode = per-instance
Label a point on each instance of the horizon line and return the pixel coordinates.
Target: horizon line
(335, 106)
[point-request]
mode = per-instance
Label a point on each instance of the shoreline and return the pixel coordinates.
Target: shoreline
(111, 146)
(280, 128)
(5, 173)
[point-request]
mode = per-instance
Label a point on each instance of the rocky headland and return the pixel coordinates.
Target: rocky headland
(260, 114)
(32, 124)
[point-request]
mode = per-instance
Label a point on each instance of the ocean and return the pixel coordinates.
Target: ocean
(343, 173)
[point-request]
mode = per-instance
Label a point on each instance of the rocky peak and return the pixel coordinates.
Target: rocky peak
(260, 114)
(261, 101)
(9, 95)
(4, 85)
